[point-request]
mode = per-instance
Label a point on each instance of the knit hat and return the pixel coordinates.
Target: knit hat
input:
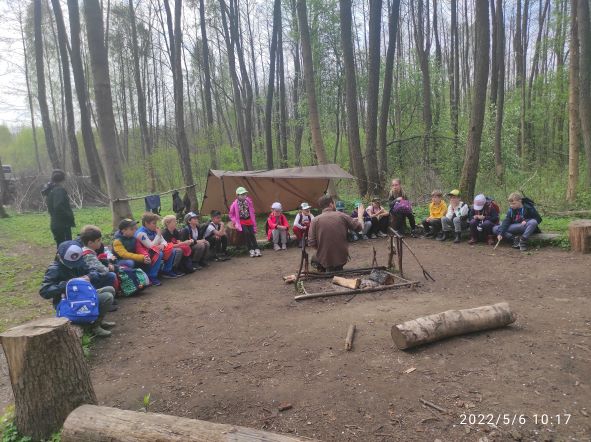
(479, 201)
(241, 191)
(305, 206)
(276, 206)
(189, 216)
(70, 254)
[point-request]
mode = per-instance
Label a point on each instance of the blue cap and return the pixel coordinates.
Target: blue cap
(70, 254)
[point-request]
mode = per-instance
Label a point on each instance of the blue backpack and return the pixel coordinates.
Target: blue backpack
(80, 304)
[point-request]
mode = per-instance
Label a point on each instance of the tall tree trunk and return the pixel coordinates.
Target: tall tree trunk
(455, 88)
(373, 91)
(95, 168)
(351, 96)
(207, 87)
(282, 98)
(297, 85)
(387, 94)
(146, 138)
(500, 98)
(271, 88)
(574, 123)
(471, 159)
(29, 94)
(104, 105)
(310, 86)
(182, 144)
(62, 38)
(584, 26)
(49, 141)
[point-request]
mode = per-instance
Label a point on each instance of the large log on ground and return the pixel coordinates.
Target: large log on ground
(579, 235)
(451, 323)
(48, 373)
(90, 423)
(347, 282)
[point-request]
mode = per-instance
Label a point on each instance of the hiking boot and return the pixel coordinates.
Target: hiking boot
(414, 233)
(523, 245)
(354, 238)
(276, 247)
(258, 252)
(491, 240)
(113, 308)
(100, 332)
(373, 236)
(252, 253)
(472, 241)
(364, 237)
(168, 275)
(155, 281)
(515, 242)
(457, 237)
(283, 246)
(203, 263)
(179, 274)
(382, 234)
(442, 236)
(108, 324)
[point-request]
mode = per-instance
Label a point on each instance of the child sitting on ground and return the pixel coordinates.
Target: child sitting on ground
(215, 235)
(69, 264)
(400, 208)
(173, 236)
(379, 218)
(301, 223)
(199, 247)
(520, 223)
(277, 227)
(243, 217)
(366, 222)
(125, 249)
(437, 209)
(152, 244)
(456, 217)
(485, 217)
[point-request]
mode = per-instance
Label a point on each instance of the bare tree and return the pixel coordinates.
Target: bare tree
(207, 87)
(584, 27)
(271, 87)
(574, 122)
(500, 92)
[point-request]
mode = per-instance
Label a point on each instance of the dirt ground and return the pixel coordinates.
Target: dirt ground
(229, 344)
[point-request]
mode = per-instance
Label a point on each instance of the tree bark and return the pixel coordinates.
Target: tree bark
(574, 123)
(500, 98)
(271, 88)
(373, 88)
(282, 96)
(311, 87)
(104, 105)
(95, 167)
(351, 96)
(105, 424)
(472, 156)
(387, 93)
(579, 234)
(207, 87)
(3, 192)
(48, 373)
(41, 94)
(585, 81)
(455, 88)
(450, 323)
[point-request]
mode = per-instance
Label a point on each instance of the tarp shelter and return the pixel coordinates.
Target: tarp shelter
(290, 187)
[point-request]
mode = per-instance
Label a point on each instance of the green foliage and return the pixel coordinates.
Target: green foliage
(146, 402)
(10, 433)
(86, 342)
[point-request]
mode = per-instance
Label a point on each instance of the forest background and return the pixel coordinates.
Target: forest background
(489, 96)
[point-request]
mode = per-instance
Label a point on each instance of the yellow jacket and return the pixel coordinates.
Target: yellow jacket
(437, 211)
(123, 253)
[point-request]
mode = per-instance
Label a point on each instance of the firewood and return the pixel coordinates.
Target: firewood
(345, 282)
(382, 277)
(350, 337)
(451, 323)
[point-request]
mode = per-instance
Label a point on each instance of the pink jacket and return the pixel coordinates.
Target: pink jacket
(235, 214)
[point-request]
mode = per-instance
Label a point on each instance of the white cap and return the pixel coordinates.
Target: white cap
(276, 206)
(305, 206)
(479, 201)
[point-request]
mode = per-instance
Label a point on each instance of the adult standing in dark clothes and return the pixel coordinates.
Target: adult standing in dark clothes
(58, 206)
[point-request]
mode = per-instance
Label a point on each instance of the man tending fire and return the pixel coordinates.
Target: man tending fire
(328, 235)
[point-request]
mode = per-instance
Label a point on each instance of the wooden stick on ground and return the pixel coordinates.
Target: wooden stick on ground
(451, 323)
(432, 405)
(350, 337)
(346, 282)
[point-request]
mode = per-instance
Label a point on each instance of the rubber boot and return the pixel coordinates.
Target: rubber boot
(458, 237)
(442, 236)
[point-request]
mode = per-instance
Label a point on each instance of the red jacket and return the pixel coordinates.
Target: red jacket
(274, 221)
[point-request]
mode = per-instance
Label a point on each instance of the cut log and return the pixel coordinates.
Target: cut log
(48, 373)
(451, 323)
(290, 279)
(579, 235)
(350, 337)
(382, 277)
(346, 282)
(90, 423)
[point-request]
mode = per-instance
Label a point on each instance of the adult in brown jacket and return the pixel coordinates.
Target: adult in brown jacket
(328, 235)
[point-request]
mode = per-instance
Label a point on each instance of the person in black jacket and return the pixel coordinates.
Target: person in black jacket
(521, 222)
(68, 265)
(58, 206)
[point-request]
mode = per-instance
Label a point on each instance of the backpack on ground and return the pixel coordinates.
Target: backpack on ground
(132, 281)
(80, 304)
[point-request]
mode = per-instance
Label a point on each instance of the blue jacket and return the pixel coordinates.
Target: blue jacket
(57, 276)
(527, 212)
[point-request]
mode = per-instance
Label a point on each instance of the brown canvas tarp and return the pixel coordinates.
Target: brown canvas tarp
(290, 187)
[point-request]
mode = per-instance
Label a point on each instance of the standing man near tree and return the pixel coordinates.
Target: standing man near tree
(58, 206)
(328, 235)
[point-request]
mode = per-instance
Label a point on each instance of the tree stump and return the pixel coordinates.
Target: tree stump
(235, 238)
(451, 323)
(579, 235)
(48, 373)
(90, 423)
